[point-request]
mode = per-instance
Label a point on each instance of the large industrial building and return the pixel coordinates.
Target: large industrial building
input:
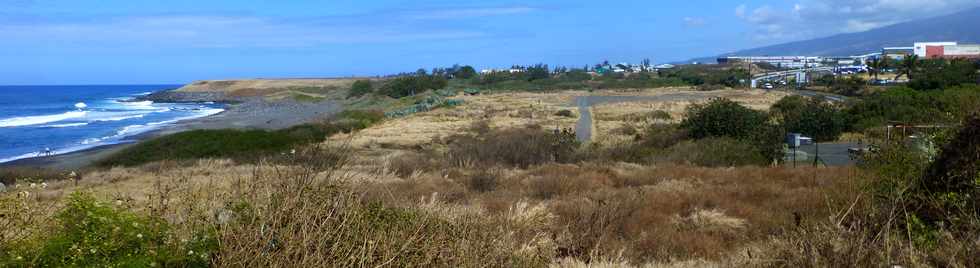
(921, 48)
(791, 62)
(924, 50)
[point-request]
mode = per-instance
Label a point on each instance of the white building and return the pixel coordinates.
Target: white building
(920, 48)
(791, 62)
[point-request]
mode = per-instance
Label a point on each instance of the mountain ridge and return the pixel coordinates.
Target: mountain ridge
(952, 27)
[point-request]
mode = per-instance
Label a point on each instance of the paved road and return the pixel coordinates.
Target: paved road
(832, 154)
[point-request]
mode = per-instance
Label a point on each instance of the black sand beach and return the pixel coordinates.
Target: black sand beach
(240, 113)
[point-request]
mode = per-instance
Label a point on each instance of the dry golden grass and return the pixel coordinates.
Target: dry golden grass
(504, 110)
(610, 117)
(432, 213)
(265, 87)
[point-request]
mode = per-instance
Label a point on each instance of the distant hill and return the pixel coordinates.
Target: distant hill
(960, 27)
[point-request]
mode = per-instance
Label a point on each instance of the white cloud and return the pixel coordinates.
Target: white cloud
(815, 18)
(740, 10)
(694, 22)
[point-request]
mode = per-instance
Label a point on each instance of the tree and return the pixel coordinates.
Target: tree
(722, 118)
(538, 71)
(360, 88)
(849, 86)
(908, 66)
(465, 72)
(941, 74)
(725, 118)
(875, 67)
(413, 84)
(821, 120)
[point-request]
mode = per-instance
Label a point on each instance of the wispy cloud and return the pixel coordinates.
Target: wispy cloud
(253, 31)
(466, 13)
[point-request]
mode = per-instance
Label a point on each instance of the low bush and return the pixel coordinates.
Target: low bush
(242, 145)
(725, 118)
(484, 181)
(10, 176)
(662, 136)
(714, 152)
(565, 113)
(204, 144)
(89, 233)
(360, 88)
(518, 147)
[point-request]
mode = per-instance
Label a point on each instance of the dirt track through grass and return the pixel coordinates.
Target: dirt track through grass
(584, 126)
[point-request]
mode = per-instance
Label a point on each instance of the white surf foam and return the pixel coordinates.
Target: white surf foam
(72, 149)
(40, 119)
(65, 125)
(138, 105)
(119, 118)
(118, 138)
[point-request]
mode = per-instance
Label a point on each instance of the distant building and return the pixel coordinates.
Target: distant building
(953, 52)
(921, 49)
(897, 53)
(791, 62)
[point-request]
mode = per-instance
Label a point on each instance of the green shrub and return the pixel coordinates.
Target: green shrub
(413, 84)
(207, 143)
(307, 98)
(360, 88)
(565, 113)
(243, 145)
(814, 117)
(89, 233)
(12, 175)
(724, 118)
(914, 107)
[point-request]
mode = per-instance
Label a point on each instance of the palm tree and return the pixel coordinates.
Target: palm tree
(908, 66)
(875, 67)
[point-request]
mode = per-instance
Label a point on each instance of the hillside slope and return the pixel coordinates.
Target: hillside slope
(230, 86)
(959, 27)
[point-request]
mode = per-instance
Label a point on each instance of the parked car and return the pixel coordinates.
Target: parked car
(768, 86)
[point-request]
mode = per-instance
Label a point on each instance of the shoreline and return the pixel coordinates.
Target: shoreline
(238, 114)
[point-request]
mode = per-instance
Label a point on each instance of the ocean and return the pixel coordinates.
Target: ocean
(51, 120)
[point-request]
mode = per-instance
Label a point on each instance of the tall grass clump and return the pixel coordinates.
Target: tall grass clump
(301, 217)
(518, 147)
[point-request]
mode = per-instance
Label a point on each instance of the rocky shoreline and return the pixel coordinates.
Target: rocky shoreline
(174, 96)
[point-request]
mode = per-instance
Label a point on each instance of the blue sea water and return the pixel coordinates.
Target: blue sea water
(64, 119)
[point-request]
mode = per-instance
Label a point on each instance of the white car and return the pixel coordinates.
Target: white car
(768, 86)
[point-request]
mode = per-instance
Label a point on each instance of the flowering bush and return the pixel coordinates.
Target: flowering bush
(89, 233)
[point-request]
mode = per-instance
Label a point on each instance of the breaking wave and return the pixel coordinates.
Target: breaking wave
(40, 119)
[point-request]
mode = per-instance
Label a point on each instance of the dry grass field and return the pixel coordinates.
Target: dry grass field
(395, 194)
(265, 87)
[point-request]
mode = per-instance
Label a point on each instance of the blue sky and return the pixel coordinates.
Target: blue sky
(178, 41)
